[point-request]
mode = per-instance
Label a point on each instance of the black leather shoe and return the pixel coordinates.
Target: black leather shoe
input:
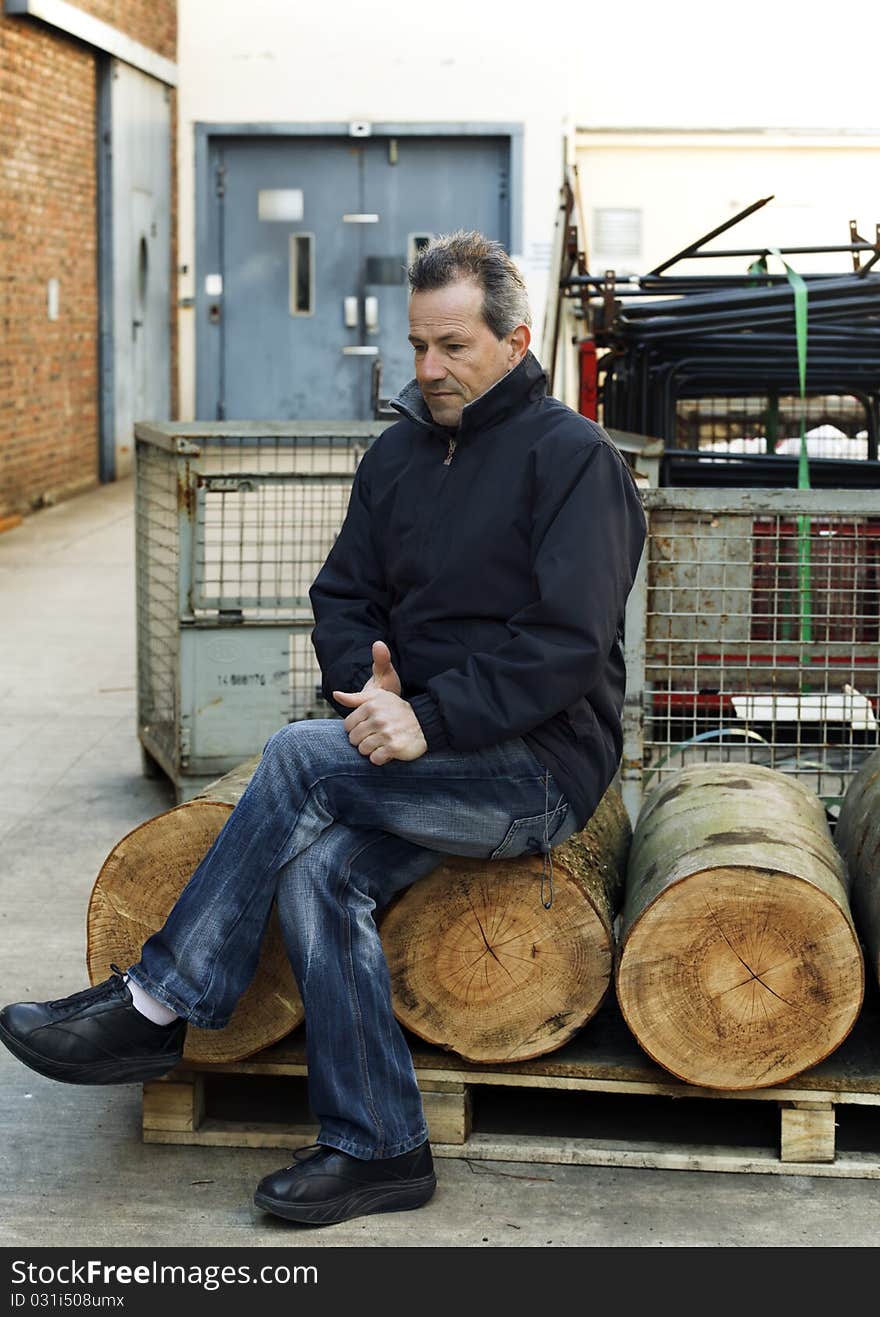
(93, 1037)
(325, 1185)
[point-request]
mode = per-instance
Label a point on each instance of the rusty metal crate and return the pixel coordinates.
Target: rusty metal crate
(233, 520)
(752, 634)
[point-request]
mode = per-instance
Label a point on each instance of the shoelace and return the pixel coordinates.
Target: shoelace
(98, 993)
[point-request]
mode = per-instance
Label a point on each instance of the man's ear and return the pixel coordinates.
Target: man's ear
(519, 340)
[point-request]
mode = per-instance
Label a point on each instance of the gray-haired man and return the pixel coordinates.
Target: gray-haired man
(467, 624)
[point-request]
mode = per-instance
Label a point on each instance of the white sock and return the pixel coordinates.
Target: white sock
(148, 1006)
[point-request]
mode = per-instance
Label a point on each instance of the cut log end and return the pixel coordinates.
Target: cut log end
(139, 883)
(479, 966)
(734, 978)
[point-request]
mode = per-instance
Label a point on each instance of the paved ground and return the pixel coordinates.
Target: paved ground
(73, 1169)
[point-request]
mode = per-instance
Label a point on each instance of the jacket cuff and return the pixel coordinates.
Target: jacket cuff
(427, 710)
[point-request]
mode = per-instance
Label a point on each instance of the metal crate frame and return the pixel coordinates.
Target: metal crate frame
(752, 634)
(233, 520)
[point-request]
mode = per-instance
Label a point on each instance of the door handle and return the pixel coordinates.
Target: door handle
(361, 350)
(350, 312)
(371, 314)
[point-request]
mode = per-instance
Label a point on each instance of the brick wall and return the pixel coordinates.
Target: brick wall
(151, 22)
(49, 401)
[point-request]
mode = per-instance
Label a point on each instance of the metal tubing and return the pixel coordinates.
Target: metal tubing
(707, 237)
(783, 251)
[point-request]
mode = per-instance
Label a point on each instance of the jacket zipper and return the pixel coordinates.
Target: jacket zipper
(448, 458)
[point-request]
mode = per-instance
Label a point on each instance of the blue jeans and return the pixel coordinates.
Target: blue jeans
(331, 837)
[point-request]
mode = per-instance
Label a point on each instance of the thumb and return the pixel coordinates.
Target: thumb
(381, 654)
(354, 698)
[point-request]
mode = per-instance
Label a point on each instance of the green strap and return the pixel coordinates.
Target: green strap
(799, 288)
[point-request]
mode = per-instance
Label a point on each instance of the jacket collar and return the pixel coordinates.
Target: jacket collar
(526, 380)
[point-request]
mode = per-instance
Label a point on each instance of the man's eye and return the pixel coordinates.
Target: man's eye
(456, 347)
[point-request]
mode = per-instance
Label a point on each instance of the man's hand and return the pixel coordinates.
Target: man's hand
(382, 725)
(384, 676)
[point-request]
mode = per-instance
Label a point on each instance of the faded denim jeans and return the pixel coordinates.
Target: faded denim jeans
(331, 837)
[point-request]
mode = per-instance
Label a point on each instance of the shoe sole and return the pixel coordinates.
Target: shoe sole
(360, 1202)
(99, 1072)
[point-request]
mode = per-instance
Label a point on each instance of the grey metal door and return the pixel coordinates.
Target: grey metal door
(302, 289)
(137, 267)
(420, 187)
(145, 314)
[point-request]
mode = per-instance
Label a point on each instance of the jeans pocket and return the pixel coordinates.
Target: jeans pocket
(526, 836)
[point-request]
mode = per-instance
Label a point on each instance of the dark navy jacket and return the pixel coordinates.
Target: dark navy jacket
(497, 577)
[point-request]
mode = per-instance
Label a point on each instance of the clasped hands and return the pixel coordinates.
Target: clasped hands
(382, 724)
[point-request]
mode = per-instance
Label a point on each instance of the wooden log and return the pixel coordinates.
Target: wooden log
(739, 963)
(857, 837)
(478, 965)
(139, 883)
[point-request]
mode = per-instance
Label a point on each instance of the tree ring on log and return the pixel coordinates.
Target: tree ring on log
(133, 894)
(479, 967)
(737, 978)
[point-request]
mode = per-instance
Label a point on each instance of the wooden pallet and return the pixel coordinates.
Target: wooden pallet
(260, 1102)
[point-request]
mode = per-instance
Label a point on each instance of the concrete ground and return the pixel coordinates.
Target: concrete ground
(73, 1168)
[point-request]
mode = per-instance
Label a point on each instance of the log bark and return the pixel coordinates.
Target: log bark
(857, 837)
(478, 965)
(135, 890)
(739, 963)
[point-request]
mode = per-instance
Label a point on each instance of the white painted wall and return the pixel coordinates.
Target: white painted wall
(755, 64)
(684, 185)
(285, 61)
(554, 65)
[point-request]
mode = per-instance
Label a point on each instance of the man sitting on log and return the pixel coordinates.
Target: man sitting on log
(468, 626)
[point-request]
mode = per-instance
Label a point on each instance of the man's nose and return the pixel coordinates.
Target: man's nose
(431, 366)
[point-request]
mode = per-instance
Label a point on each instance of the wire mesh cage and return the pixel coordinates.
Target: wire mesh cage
(753, 634)
(753, 630)
(837, 425)
(233, 522)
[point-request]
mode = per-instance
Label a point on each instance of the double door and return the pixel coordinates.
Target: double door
(303, 293)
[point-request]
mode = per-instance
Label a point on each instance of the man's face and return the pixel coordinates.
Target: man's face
(457, 356)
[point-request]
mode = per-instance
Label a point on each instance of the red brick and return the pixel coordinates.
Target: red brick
(49, 399)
